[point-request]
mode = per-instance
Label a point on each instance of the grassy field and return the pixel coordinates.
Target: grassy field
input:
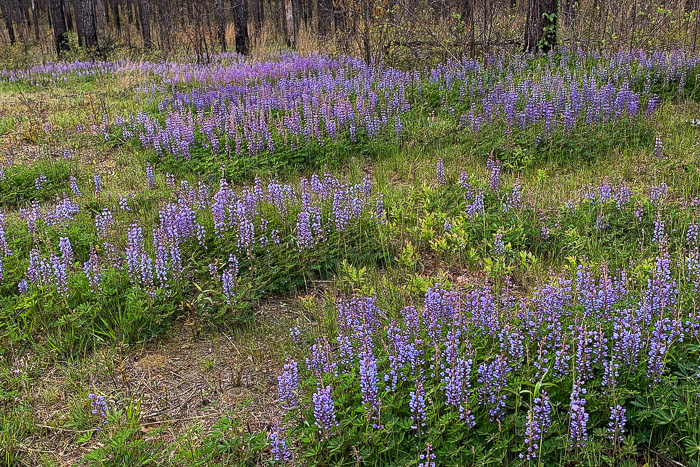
(314, 261)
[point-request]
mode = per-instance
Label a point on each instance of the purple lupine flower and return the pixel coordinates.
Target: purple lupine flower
(616, 427)
(99, 409)
(288, 384)
(324, 411)
(578, 416)
(659, 234)
(60, 274)
(440, 169)
(658, 194)
(492, 377)
(295, 334)
(169, 180)
(104, 222)
(74, 186)
(39, 181)
(139, 263)
(476, 207)
(150, 176)
(658, 146)
(499, 248)
(124, 203)
(23, 286)
(66, 250)
(545, 231)
(93, 272)
(427, 459)
(98, 183)
(691, 235)
(228, 279)
(278, 444)
(369, 384)
(380, 213)
(464, 180)
(321, 359)
(305, 238)
(418, 406)
(4, 246)
(513, 199)
(494, 167)
(538, 422)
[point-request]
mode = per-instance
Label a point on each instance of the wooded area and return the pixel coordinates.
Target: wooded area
(368, 28)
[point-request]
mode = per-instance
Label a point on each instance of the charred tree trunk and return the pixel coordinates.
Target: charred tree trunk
(221, 24)
(325, 17)
(145, 21)
(60, 32)
(258, 14)
(78, 22)
(6, 7)
(115, 14)
(340, 17)
(467, 16)
(541, 25)
(240, 24)
(87, 18)
(68, 15)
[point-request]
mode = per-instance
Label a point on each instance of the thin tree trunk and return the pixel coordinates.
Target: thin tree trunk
(221, 24)
(117, 19)
(145, 24)
(289, 22)
(257, 14)
(100, 16)
(35, 20)
(129, 12)
(340, 17)
(87, 18)
(78, 22)
(60, 32)
(325, 17)
(68, 15)
(541, 25)
(6, 7)
(240, 24)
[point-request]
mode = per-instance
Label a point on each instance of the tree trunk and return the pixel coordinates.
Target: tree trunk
(325, 17)
(87, 18)
(35, 20)
(78, 22)
(60, 32)
(240, 24)
(6, 7)
(145, 24)
(67, 15)
(340, 17)
(221, 24)
(541, 25)
(289, 22)
(100, 16)
(115, 14)
(258, 15)
(297, 14)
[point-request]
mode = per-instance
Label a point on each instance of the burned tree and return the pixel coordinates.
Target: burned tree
(541, 25)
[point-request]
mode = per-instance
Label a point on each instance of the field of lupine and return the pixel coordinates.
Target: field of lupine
(315, 261)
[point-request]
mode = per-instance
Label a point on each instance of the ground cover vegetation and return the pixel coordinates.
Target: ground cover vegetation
(484, 262)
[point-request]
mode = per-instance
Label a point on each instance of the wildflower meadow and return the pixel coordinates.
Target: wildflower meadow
(309, 259)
